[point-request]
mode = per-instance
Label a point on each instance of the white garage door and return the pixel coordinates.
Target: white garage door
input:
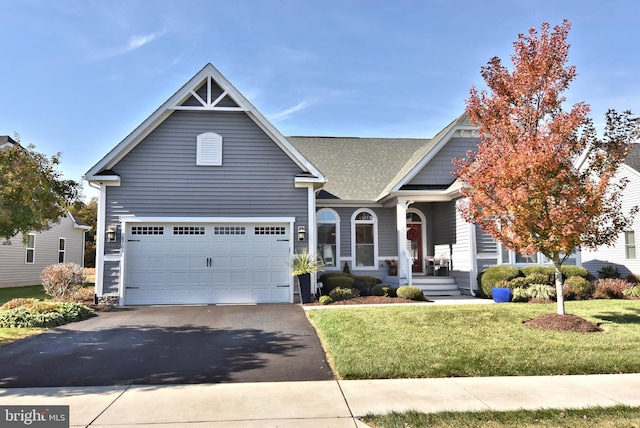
(206, 263)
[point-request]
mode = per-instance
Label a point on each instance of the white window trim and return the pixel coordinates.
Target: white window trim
(26, 257)
(337, 223)
(353, 239)
(63, 251)
(539, 257)
(628, 245)
(209, 149)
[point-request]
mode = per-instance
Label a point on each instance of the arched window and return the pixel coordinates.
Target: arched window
(364, 237)
(328, 236)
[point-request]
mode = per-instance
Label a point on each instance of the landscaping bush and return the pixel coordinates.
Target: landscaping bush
(520, 295)
(549, 271)
(610, 288)
(538, 278)
(83, 294)
(383, 290)
(325, 300)
(336, 282)
(410, 292)
(326, 275)
(488, 278)
(541, 292)
(632, 292)
(343, 294)
(346, 268)
(633, 278)
(608, 272)
(41, 314)
(18, 302)
(569, 271)
(364, 283)
(61, 280)
(518, 282)
(577, 288)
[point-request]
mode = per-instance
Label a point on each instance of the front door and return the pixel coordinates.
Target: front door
(414, 245)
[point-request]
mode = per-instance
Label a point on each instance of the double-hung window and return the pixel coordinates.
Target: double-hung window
(364, 237)
(62, 244)
(630, 244)
(30, 256)
(328, 228)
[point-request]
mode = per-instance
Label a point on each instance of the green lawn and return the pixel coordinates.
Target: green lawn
(34, 291)
(620, 416)
(476, 340)
(8, 335)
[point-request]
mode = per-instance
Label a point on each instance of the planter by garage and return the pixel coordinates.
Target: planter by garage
(304, 281)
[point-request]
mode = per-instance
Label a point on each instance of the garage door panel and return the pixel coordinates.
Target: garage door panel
(207, 264)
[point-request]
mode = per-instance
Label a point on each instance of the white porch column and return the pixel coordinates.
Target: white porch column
(404, 267)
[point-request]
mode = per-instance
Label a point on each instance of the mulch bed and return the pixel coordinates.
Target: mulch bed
(565, 322)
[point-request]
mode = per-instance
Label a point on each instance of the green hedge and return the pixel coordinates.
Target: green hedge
(410, 292)
(338, 281)
(488, 278)
(44, 314)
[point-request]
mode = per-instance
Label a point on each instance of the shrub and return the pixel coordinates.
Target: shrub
(337, 282)
(18, 302)
(541, 291)
(343, 294)
(569, 271)
(538, 278)
(410, 292)
(610, 288)
(632, 292)
(326, 275)
(383, 290)
(633, 278)
(488, 278)
(62, 279)
(549, 271)
(577, 287)
(364, 283)
(325, 300)
(41, 314)
(607, 271)
(520, 295)
(518, 282)
(83, 294)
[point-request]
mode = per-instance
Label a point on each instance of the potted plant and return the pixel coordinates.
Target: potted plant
(393, 267)
(302, 266)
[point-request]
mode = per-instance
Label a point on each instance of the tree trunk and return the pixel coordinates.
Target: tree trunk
(559, 284)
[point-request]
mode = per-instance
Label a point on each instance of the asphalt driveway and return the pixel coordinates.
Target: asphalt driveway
(170, 345)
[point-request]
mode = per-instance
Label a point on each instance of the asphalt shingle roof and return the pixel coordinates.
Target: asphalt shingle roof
(366, 168)
(633, 158)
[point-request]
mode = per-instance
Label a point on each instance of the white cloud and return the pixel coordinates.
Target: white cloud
(285, 114)
(135, 42)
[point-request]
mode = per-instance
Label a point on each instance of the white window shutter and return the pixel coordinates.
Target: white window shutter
(209, 149)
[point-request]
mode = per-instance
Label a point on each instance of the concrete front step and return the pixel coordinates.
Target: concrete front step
(437, 285)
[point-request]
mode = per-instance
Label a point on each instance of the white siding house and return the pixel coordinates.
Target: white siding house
(21, 263)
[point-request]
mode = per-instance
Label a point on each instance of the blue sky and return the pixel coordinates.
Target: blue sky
(79, 75)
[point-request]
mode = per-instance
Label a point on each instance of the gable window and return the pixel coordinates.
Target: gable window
(30, 256)
(62, 244)
(328, 228)
(209, 149)
(630, 245)
(364, 236)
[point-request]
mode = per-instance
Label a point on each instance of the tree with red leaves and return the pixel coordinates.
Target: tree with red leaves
(541, 179)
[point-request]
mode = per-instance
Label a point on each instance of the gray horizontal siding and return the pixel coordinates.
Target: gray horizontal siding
(444, 223)
(14, 271)
(485, 243)
(438, 170)
(159, 177)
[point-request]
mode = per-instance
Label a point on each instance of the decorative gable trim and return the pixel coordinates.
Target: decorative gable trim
(208, 90)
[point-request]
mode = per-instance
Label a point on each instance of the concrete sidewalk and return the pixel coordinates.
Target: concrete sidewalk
(322, 403)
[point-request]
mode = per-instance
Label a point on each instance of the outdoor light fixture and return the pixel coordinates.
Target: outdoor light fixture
(301, 233)
(111, 233)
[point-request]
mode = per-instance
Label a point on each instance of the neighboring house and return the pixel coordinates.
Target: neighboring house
(624, 255)
(205, 201)
(22, 262)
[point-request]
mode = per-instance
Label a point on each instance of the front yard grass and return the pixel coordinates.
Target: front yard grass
(620, 416)
(485, 340)
(34, 291)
